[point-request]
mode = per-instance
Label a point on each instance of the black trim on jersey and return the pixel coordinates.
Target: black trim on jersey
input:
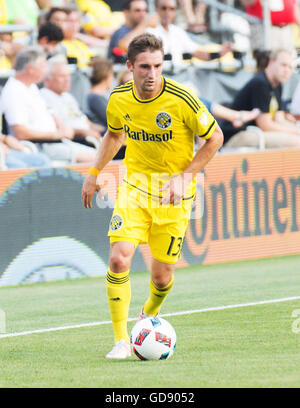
(185, 93)
(122, 89)
(208, 129)
(153, 99)
(126, 85)
(183, 98)
(114, 127)
(123, 86)
(154, 195)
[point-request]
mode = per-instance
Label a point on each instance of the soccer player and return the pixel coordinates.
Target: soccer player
(159, 118)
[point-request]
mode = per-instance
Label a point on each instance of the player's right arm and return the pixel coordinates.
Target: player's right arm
(110, 146)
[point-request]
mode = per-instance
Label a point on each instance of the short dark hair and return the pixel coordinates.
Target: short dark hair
(54, 10)
(262, 58)
(51, 31)
(101, 69)
(127, 4)
(142, 43)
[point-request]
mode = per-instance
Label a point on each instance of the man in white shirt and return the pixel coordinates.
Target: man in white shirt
(27, 115)
(176, 41)
(62, 103)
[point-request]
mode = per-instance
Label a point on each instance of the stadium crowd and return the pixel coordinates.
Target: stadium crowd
(59, 60)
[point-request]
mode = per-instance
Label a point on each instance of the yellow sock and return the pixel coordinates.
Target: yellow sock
(119, 294)
(157, 297)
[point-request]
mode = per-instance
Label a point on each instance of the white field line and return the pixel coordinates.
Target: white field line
(185, 312)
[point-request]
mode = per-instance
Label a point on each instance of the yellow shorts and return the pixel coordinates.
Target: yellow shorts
(138, 218)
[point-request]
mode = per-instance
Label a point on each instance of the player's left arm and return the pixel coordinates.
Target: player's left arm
(206, 153)
(176, 187)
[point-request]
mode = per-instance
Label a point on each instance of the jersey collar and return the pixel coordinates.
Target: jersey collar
(152, 99)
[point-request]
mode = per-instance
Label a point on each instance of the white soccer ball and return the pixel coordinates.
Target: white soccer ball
(153, 338)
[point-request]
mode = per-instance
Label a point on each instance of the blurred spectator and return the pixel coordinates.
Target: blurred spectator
(16, 155)
(295, 104)
(58, 16)
(283, 14)
(195, 15)
(61, 16)
(136, 22)
(237, 118)
(124, 76)
(98, 19)
(262, 58)
(27, 115)
(49, 37)
(264, 92)
(75, 47)
(97, 43)
(8, 50)
(62, 103)
(176, 41)
(101, 80)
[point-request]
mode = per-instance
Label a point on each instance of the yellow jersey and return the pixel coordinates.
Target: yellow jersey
(159, 131)
(97, 12)
(78, 49)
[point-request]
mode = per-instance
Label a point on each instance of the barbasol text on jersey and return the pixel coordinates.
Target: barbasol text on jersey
(148, 137)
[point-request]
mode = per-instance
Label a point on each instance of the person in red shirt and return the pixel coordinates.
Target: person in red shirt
(283, 14)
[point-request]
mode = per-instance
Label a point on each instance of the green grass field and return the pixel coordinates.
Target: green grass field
(250, 346)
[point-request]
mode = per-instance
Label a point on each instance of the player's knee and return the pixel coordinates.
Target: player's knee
(119, 263)
(162, 281)
(161, 274)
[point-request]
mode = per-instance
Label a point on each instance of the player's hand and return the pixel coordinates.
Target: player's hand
(90, 186)
(175, 190)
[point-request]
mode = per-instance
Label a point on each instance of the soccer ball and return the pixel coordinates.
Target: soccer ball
(153, 338)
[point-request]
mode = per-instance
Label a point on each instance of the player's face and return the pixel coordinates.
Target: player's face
(146, 71)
